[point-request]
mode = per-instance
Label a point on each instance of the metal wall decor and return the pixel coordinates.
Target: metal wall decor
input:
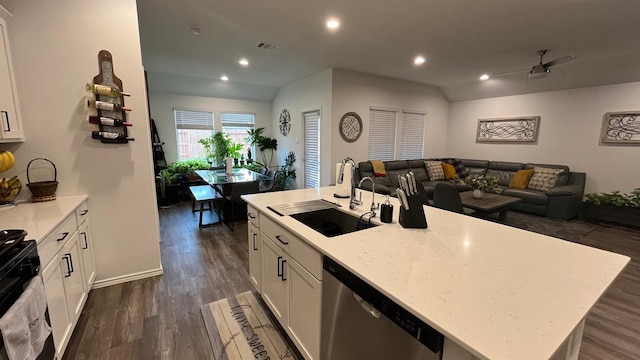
(622, 128)
(508, 130)
(285, 122)
(350, 127)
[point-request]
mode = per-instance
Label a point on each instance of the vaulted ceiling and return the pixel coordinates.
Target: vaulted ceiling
(460, 40)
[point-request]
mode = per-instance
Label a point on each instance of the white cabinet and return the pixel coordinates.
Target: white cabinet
(291, 286)
(66, 254)
(255, 247)
(10, 117)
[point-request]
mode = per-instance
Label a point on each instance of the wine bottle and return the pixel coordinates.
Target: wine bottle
(103, 105)
(109, 135)
(108, 121)
(105, 90)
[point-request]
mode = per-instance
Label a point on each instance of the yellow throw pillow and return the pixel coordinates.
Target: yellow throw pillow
(449, 172)
(521, 179)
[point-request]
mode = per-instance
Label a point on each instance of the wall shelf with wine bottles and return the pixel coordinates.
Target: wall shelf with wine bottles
(108, 101)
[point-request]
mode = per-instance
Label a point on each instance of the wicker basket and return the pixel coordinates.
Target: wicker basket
(43, 190)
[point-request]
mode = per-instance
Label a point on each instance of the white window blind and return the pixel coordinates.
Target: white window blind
(236, 125)
(382, 134)
(193, 119)
(312, 149)
(412, 135)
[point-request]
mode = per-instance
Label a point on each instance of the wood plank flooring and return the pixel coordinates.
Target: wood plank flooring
(159, 317)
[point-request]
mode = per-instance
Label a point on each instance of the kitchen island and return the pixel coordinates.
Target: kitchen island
(493, 291)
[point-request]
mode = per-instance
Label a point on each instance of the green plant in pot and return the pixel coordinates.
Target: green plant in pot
(616, 207)
(219, 146)
(287, 174)
(266, 145)
(188, 167)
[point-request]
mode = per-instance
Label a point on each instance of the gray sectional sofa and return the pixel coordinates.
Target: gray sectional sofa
(563, 201)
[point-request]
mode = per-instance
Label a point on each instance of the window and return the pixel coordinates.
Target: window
(191, 126)
(236, 125)
(412, 135)
(312, 149)
(384, 140)
(382, 134)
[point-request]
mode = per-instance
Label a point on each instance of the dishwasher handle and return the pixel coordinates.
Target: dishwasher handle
(366, 306)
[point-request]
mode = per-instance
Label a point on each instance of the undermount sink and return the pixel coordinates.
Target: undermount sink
(332, 222)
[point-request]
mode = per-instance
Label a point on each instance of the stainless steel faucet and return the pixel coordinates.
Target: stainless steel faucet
(374, 207)
(353, 202)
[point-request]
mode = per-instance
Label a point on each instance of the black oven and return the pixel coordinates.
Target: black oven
(19, 263)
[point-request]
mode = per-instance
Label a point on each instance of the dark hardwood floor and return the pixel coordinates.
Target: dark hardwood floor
(159, 317)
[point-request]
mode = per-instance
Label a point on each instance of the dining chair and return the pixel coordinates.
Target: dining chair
(237, 190)
(267, 184)
(446, 197)
(263, 170)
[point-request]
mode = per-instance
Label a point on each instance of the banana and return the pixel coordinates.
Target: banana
(5, 161)
(12, 159)
(1, 163)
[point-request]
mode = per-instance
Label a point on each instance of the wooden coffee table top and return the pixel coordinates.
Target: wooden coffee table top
(489, 202)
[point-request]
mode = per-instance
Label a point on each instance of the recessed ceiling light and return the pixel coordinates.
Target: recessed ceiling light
(484, 77)
(195, 30)
(419, 60)
(224, 78)
(243, 62)
(333, 23)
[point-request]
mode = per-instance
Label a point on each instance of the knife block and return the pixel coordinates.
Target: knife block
(414, 218)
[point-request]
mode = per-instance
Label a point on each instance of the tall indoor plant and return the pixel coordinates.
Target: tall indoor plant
(219, 146)
(265, 144)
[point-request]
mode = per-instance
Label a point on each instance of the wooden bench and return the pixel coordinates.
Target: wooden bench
(205, 194)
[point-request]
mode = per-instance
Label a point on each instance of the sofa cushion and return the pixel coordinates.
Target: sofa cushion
(563, 177)
(475, 167)
(544, 179)
(503, 170)
(449, 172)
(521, 179)
(528, 195)
(366, 169)
(434, 168)
(461, 170)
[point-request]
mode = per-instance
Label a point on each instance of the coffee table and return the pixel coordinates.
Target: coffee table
(489, 204)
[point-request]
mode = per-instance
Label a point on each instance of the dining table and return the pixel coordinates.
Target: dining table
(223, 182)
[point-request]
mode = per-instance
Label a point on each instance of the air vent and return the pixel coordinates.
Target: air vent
(267, 46)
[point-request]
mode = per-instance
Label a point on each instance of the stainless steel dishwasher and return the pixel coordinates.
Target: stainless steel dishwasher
(359, 322)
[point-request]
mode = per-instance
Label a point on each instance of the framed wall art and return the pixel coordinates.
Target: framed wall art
(508, 130)
(350, 126)
(621, 128)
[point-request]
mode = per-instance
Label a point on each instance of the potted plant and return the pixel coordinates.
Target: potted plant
(168, 188)
(286, 175)
(265, 144)
(187, 168)
(615, 207)
(481, 183)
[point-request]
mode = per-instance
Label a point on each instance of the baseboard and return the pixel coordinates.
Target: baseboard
(126, 278)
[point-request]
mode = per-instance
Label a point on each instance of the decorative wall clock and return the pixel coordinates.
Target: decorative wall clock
(350, 126)
(285, 122)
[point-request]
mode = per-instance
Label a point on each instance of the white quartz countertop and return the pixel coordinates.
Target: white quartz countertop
(39, 218)
(497, 291)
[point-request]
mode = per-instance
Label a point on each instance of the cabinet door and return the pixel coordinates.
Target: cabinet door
(10, 122)
(254, 256)
(88, 262)
(53, 277)
(73, 279)
(305, 296)
(274, 285)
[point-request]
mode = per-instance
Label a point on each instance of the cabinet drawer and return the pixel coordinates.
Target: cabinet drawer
(253, 216)
(82, 212)
(304, 254)
(56, 240)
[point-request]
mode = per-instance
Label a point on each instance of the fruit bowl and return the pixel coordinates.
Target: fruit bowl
(9, 190)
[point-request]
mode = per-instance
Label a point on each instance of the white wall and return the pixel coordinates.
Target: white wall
(55, 47)
(570, 126)
(357, 92)
(311, 93)
(162, 112)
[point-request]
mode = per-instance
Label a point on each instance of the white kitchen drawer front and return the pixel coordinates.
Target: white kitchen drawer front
(306, 255)
(57, 239)
(82, 212)
(253, 216)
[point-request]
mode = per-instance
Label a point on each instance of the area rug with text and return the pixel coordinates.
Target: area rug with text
(239, 328)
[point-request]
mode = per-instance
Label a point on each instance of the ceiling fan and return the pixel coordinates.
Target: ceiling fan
(541, 70)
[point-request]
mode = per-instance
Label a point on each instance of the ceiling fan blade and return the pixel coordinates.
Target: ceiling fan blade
(559, 61)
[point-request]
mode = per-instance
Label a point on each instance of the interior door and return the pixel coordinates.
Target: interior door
(311, 158)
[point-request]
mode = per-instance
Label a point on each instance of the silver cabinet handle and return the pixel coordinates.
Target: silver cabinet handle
(366, 306)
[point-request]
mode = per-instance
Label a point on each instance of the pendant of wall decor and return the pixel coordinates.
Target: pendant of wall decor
(350, 127)
(285, 122)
